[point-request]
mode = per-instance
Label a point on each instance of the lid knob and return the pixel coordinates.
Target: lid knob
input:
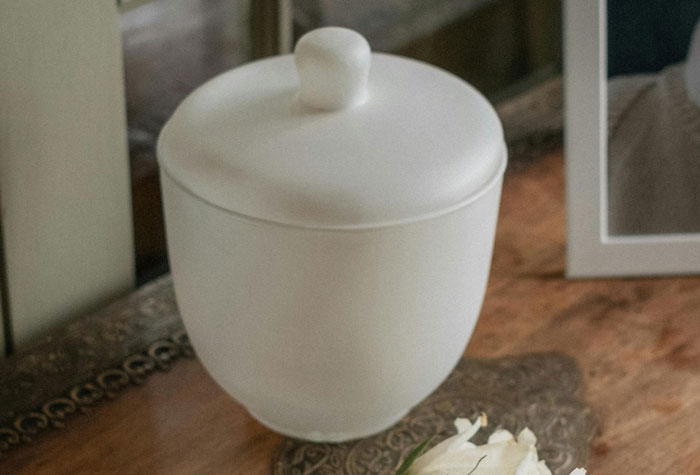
(333, 65)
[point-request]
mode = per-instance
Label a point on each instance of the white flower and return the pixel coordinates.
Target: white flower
(502, 455)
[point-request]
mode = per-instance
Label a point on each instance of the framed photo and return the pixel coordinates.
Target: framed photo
(632, 137)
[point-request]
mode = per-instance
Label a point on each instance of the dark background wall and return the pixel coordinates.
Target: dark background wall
(647, 35)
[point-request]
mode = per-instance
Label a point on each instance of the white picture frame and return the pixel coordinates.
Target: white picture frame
(591, 250)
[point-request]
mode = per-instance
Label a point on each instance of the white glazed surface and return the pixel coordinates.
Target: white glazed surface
(423, 141)
(333, 65)
(329, 335)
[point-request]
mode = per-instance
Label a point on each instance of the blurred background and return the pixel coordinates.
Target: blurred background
(502, 47)
(646, 36)
(82, 224)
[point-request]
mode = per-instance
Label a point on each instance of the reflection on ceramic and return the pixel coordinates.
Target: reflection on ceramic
(330, 241)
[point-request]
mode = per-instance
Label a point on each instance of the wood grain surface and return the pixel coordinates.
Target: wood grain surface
(635, 339)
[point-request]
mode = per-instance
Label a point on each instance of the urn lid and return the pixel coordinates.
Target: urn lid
(334, 136)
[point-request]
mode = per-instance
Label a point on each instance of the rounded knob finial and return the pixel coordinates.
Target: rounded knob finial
(333, 66)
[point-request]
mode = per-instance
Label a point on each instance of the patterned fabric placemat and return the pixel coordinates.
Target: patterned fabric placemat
(539, 391)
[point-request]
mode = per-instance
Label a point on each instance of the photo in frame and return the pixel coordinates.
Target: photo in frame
(632, 137)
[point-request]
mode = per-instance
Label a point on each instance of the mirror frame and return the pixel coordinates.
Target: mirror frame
(591, 251)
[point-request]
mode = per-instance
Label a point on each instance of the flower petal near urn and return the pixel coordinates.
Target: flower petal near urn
(503, 454)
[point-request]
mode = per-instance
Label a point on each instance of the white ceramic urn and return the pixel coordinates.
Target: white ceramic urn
(330, 220)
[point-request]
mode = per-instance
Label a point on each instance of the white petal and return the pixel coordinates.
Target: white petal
(527, 437)
(466, 430)
(456, 443)
(463, 424)
(501, 435)
(543, 469)
(502, 455)
(501, 459)
(528, 466)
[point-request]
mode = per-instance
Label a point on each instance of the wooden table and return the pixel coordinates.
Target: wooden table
(635, 339)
